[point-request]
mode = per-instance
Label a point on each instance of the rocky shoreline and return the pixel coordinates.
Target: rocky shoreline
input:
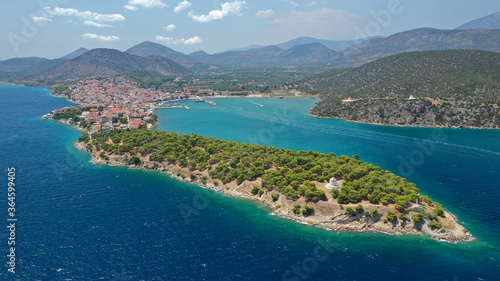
(399, 125)
(327, 214)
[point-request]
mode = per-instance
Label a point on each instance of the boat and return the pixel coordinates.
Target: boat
(281, 98)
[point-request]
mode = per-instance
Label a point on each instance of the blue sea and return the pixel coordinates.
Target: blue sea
(81, 221)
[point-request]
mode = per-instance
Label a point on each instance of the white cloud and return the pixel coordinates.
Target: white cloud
(87, 15)
(323, 23)
(40, 19)
(133, 5)
(170, 27)
(95, 24)
(58, 11)
(182, 41)
(192, 41)
(182, 6)
(227, 8)
(265, 14)
(131, 8)
(293, 3)
(95, 37)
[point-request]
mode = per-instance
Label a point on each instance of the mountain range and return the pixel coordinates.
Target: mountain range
(423, 39)
(337, 46)
(489, 22)
(108, 62)
(302, 51)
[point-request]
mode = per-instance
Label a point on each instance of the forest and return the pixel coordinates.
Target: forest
(294, 174)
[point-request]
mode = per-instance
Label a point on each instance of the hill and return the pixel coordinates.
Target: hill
(271, 56)
(489, 22)
(75, 53)
(453, 88)
(108, 62)
(147, 48)
(330, 44)
(19, 64)
(423, 39)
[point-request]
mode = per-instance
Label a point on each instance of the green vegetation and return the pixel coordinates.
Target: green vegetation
(391, 216)
(294, 174)
(435, 225)
(350, 211)
(275, 197)
(296, 209)
(308, 210)
(359, 209)
(418, 218)
(148, 78)
(68, 113)
(453, 87)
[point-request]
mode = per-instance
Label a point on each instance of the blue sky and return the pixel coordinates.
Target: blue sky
(53, 28)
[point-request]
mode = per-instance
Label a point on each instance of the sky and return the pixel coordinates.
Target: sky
(54, 28)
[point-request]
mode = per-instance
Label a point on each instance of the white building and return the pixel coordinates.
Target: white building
(332, 184)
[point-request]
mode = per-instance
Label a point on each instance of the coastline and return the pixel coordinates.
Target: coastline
(402, 126)
(327, 215)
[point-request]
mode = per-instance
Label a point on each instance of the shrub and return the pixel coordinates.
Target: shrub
(359, 208)
(308, 210)
(255, 190)
(391, 216)
(342, 198)
(374, 213)
(435, 225)
(418, 218)
(296, 209)
(350, 211)
(275, 197)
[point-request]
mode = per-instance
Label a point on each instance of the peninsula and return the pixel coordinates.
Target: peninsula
(452, 88)
(296, 184)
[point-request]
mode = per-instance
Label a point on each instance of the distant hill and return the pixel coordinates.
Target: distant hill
(330, 44)
(108, 62)
(75, 53)
(423, 39)
(44, 66)
(147, 48)
(242, 49)
(199, 54)
(453, 88)
(271, 56)
(489, 22)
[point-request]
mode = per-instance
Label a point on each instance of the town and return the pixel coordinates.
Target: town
(104, 104)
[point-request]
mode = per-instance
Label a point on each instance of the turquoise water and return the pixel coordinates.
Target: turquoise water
(81, 221)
